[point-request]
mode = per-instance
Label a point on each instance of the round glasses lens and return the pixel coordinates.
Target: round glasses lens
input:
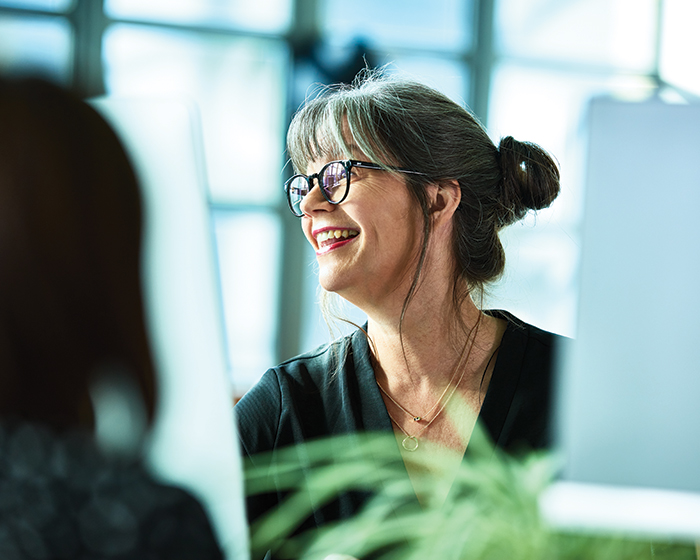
(297, 189)
(335, 181)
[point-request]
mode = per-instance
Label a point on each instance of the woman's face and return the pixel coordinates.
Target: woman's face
(367, 247)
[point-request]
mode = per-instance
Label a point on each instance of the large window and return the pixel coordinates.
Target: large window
(526, 67)
(551, 58)
(36, 43)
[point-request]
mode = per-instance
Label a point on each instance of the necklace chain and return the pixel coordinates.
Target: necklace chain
(410, 442)
(419, 418)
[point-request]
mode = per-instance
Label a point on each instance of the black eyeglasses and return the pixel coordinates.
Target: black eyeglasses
(334, 179)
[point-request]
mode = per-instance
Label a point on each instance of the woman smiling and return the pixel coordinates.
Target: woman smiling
(402, 194)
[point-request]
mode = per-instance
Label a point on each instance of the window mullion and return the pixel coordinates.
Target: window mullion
(483, 58)
(88, 22)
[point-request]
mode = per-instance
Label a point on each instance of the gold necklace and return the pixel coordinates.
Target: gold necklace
(419, 418)
(410, 443)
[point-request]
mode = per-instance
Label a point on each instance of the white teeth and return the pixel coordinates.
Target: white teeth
(336, 233)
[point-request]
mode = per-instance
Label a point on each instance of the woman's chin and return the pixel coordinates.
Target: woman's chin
(331, 284)
(335, 281)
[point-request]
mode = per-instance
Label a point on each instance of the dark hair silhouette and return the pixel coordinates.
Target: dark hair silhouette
(70, 252)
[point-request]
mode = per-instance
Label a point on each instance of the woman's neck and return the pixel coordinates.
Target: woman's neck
(430, 341)
(433, 375)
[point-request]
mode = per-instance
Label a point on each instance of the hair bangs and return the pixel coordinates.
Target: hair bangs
(316, 133)
(336, 125)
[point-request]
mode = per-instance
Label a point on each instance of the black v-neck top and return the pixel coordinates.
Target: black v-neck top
(310, 397)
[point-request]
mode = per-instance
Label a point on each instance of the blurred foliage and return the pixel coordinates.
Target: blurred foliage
(491, 512)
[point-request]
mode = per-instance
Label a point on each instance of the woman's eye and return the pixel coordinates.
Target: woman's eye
(336, 181)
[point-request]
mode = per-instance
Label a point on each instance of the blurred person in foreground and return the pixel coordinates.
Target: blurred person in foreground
(77, 383)
(401, 194)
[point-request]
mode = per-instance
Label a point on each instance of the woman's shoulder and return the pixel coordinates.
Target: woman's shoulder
(310, 373)
(303, 396)
(528, 351)
(518, 403)
(96, 504)
(315, 366)
(519, 329)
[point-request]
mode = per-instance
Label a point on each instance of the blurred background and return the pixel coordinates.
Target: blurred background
(527, 68)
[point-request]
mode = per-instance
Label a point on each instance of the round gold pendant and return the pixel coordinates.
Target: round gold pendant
(410, 443)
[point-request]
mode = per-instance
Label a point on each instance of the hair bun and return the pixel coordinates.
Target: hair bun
(530, 179)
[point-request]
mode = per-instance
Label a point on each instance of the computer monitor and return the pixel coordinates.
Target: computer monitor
(628, 397)
(193, 441)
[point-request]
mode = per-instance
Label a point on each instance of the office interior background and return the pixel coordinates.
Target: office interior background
(526, 68)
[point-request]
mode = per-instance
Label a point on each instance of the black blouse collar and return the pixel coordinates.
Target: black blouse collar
(499, 395)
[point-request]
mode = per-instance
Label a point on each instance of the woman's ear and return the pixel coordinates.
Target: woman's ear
(443, 200)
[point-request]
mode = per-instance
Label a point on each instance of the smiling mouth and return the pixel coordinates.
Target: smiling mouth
(331, 236)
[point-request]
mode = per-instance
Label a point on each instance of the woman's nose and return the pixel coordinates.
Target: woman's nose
(315, 200)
